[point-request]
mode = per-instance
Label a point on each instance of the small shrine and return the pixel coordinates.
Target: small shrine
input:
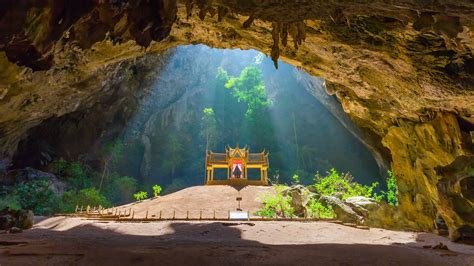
(237, 161)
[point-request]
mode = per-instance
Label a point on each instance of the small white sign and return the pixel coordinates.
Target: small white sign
(235, 215)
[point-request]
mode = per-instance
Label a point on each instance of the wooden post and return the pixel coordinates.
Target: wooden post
(146, 215)
(214, 215)
(248, 215)
(228, 214)
(160, 215)
(129, 211)
(187, 215)
(200, 214)
(133, 214)
(120, 212)
(174, 214)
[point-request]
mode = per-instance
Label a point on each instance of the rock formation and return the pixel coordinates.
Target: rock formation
(402, 70)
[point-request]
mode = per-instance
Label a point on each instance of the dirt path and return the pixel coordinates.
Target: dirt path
(74, 241)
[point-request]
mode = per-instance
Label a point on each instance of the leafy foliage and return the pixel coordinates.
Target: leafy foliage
(76, 174)
(34, 195)
(10, 201)
(121, 189)
(392, 189)
(83, 197)
(175, 155)
(209, 127)
(141, 195)
(318, 210)
(276, 205)
(342, 183)
(250, 89)
(296, 179)
(156, 190)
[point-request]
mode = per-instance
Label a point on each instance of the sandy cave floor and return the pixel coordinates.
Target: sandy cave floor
(77, 241)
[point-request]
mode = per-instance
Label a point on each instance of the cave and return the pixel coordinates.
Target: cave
(105, 103)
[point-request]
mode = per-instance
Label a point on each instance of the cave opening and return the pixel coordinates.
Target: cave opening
(200, 100)
(194, 98)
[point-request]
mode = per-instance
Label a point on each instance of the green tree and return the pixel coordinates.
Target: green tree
(33, 195)
(121, 189)
(83, 197)
(174, 155)
(111, 151)
(209, 127)
(250, 89)
(76, 174)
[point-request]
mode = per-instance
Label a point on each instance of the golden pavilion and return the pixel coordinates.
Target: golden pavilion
(237, 161)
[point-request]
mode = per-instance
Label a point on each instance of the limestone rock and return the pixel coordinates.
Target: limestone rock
(402, 70)
(343, 211)
(15, 230)
(11, 218)
(362, 205)
(300, 196)
(30, 174)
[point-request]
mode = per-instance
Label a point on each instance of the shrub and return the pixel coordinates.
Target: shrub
(84, 197)
(296, 179)
(34, 195)
(318, 210)
(392, 189)
(156, 190)
(11, 202)
(76, 174)
(141, 195)
(276, 205)
(342, 183)
(121, 189)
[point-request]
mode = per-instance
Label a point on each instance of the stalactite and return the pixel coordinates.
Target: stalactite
(222, 13)
(284, 34)
(189, 8)
(248, 22)
(275, 54)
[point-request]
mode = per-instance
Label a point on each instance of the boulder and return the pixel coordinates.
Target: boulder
(6, 221)
(25, 219)
(22, 219)
(362, 205)
(31, 174)
(342, 210)
(15, 230)
(300, 196)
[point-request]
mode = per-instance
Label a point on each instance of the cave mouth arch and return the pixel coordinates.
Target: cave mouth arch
(308, 131)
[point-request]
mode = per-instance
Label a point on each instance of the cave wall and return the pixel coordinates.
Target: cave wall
(403, 70)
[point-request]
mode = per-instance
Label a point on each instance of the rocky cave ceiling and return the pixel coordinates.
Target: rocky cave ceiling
(402, 70)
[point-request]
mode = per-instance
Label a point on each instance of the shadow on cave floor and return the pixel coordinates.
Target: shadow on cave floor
(213, 243)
